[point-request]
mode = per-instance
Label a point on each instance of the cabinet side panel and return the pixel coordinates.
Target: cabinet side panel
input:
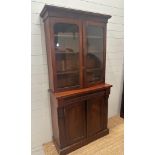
(48, 49)
(105, 109)
(104, 51)
(54, 115)
(105, 112)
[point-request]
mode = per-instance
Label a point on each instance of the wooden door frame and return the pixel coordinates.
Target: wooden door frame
(54, 20)
(85, 49)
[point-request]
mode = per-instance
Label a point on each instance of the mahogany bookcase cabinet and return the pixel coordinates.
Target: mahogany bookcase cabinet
(76, 54)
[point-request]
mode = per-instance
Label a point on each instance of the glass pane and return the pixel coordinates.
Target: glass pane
(94, 75)
(66, 39)
(94, 60)
(67, 80)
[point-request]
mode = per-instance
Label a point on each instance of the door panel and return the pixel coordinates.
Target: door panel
(75, 121)
(67, 50)
(96, 115)
(94, 49)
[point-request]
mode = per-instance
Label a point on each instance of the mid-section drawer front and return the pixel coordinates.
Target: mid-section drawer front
(67, 100)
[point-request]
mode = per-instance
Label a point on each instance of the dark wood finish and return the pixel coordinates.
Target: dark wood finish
(49, 48)
(81, 117)
(79, 110)
(53, 15)
(53, 11)
(75, 122)
(95, 115)
(81, 91)
(81, 143)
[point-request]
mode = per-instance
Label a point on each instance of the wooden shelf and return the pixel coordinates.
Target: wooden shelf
(66, 35)
(68, 72)
(94, 80)
(66, 52)
(95, 37)
(93, 69)
(93, 52)
(75, 86)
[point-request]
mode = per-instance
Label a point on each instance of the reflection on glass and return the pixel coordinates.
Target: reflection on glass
(66, 39)
(94, 61)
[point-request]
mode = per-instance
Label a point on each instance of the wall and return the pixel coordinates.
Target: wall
(41, 120)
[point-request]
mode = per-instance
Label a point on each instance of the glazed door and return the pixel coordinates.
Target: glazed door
(75, 122)
(94, 51)
(96, 115)
(67, 43)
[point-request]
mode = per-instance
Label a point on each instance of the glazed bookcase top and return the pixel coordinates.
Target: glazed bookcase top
(76, 47)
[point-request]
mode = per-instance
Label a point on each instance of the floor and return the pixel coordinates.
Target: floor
(112, 144)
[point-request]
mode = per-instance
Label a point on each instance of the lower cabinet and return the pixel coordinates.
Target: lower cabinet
(81, 119)
(85, 118)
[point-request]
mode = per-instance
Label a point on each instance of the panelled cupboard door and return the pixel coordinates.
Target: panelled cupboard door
(96, 115)
(94, 35)
(67, 53)
(75, 122)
